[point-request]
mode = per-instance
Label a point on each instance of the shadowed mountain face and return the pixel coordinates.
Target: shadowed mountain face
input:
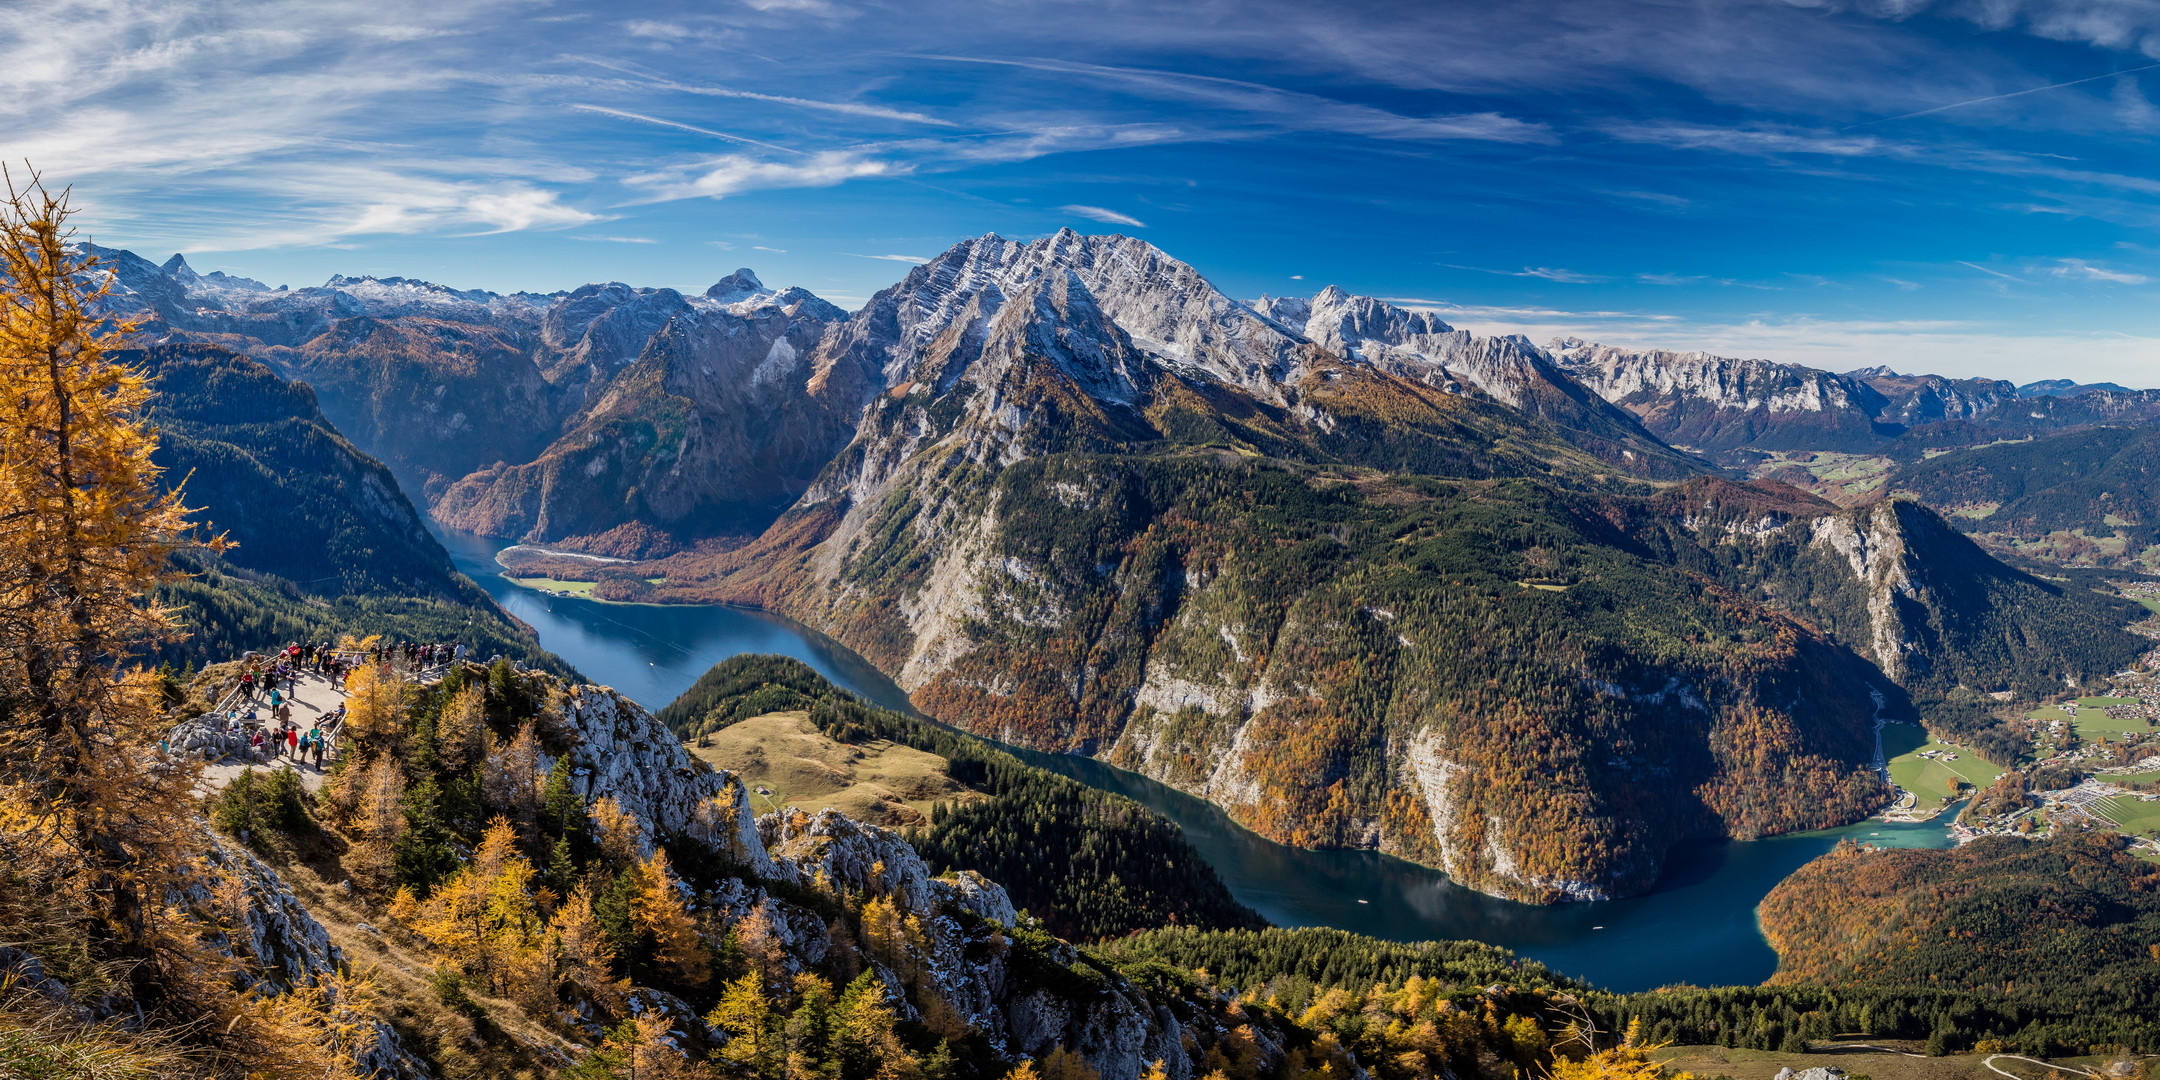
(710, 430)
(297, 499)
(324, 542)
(619, 418)
(2086, 499)
(1361, 578)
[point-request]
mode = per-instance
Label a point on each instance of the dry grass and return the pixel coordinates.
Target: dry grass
(41, 1041)
(501, 1041)
(880, 782)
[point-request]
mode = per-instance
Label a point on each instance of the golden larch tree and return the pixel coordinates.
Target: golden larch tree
(93, 817)
(658, 909)
(586, 960)
(622, 839)
(457, 734)
(375, 700)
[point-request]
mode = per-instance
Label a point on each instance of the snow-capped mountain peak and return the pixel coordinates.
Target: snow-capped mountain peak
(736, 287)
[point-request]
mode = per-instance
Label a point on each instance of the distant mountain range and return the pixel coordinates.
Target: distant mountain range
(1718, 405)
(1360, 577)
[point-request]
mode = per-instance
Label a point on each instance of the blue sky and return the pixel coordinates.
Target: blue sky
(1968, 187)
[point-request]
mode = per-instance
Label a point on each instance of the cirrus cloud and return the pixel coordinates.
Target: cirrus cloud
(1106, 216)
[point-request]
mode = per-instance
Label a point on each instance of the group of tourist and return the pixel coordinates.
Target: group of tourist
(416, 655)
(273, 681)
(288, 740)
(322, 658)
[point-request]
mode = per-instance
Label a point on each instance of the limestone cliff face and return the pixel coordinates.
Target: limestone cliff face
(706, 428)
(278, 943)
(1508, 370)
(618, 750)
(1716, 403)
(621, 751)
(960, 955)
(1897, 584)
(1872, 541)
(1056, 525)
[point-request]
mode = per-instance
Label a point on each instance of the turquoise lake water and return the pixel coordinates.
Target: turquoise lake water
(1697, 927)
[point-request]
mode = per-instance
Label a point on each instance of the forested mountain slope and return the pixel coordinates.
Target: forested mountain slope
(1091, 864)
(1901, 586)
(1353, 608)
(2069, 922)
(325, 542)
(2089, 498)
(1360, 577)
(1032, 538)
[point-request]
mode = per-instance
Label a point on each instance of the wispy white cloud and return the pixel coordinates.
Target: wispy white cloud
(1286, 110)
(2080, 270)
(680, 126)
(1107, 217)
(735, 174)
(913, 259)
(844, 108)
(1745, 139)
(774, 250)
(2007, 96)
(617, 239)
(1568, 277)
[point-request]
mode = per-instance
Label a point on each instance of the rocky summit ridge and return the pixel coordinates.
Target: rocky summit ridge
(1070, 493)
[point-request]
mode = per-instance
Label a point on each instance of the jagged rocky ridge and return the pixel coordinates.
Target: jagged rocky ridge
(533, 416)
(626, 420)
(1094, 504)
(1721, 404)
(1038, 532)
(1033, 532)
(1903, 588)
(618, 750)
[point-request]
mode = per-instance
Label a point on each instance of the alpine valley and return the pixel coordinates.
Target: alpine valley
(1532, 615)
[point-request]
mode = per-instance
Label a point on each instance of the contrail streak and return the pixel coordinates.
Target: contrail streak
(2000, 97)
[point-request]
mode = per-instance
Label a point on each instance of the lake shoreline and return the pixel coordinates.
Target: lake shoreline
(1698, 925)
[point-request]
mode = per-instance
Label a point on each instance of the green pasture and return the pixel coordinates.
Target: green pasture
(555, 585)
(2093, 722)
(2134, 817)
(1932, 781)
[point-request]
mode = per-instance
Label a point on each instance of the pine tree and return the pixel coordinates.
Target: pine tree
(760, 945)
(510, 779)
(622, 839)
(1062, 1064)
(864, 1043)
(379, 818)
(562, 872)
(753, 1038)
(640, 1049)
(561, 810)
